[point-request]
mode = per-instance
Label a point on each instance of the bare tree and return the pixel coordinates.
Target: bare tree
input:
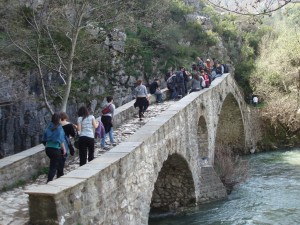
(56, 36)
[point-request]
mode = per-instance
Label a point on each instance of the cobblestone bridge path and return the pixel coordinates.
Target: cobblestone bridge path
(14, 203)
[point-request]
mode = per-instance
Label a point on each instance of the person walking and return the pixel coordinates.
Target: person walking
(107, 120)
(180, 88)
(171, 85)
(54, 139)
(85, 125)
(69, 130)
(142, 100)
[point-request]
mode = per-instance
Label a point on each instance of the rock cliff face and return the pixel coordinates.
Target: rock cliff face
(22, 114)
(198, 15)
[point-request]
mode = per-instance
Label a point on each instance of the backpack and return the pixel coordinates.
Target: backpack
(106, 109)
(179, 77)
(226, 69)
(170, 80)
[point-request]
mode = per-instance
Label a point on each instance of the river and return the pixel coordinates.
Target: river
(270, 195)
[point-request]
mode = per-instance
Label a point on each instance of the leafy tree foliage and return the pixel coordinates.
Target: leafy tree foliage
(277, 75)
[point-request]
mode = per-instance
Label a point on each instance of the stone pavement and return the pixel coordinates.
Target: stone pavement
(14, 203)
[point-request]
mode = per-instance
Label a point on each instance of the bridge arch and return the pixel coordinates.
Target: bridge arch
(174, 186)
(230, 128)
(202, 135)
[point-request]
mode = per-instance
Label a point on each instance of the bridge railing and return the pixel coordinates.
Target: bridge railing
(23, 166)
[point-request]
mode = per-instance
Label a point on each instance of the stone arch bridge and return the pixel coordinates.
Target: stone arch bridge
(168, 163)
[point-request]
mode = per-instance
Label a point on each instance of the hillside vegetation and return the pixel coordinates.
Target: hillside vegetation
(276, 78)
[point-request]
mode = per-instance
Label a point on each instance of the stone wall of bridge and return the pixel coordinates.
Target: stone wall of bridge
(122, 185)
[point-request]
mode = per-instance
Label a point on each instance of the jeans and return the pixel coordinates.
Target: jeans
(158, 95)
(86, 147)
(55, 155)
(61, 166)
(173, 94)
(172, 89)
(111, 137)
(180, 90)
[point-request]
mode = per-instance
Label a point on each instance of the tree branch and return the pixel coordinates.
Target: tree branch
(266, 11)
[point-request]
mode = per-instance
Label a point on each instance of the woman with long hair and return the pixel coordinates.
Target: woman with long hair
(54, 138)
(86, 125)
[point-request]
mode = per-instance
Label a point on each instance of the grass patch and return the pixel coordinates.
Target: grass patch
(260, 105)
(42, 171)
(21, 182)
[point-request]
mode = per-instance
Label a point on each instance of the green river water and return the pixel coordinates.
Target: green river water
(270, 195)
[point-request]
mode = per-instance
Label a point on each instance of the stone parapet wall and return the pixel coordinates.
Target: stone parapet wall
(22, 166)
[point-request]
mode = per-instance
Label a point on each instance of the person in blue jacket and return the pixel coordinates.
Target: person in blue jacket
(54, 138)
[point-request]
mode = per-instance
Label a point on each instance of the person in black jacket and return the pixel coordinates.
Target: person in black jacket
(69, 130)
(186, 76)
(155, 90)
(180, 83)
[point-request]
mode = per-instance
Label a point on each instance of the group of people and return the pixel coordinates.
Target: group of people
(56, 137)
(180, 83)
(200, 76)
